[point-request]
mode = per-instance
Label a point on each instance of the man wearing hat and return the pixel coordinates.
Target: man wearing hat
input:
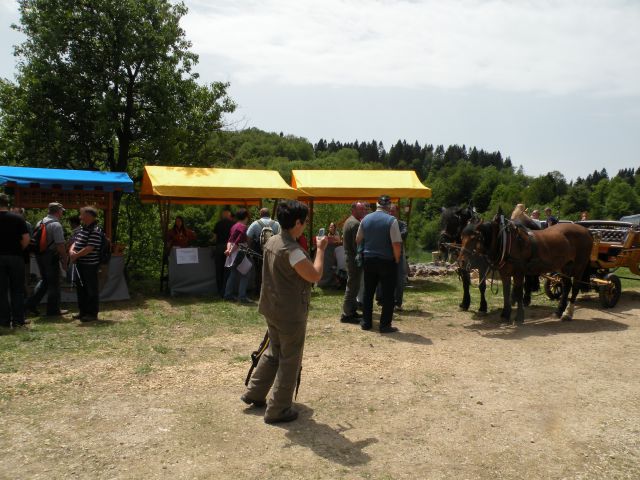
(380, 234)
(49, 262)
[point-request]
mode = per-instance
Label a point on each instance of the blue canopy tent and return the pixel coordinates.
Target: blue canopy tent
(37, 187)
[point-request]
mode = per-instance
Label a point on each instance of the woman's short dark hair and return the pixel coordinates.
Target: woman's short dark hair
(241, 214)
(290, 211)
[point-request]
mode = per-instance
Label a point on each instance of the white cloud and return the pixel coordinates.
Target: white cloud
(558, 47)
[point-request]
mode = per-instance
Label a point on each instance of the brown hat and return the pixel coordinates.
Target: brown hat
(56, 207)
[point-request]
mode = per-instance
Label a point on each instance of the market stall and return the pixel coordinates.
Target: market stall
(192, 272)
(37, 187)
(347, 186)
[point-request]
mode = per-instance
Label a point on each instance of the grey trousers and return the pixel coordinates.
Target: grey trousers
(354, 277)
(279, 366)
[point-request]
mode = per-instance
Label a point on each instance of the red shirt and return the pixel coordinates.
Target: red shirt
(302, 240)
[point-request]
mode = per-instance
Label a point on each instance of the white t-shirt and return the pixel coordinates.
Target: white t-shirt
(296, 257)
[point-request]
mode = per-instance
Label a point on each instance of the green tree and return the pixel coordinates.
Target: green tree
(108, 85)
(621, 199)
(576, 201)
(598, 198)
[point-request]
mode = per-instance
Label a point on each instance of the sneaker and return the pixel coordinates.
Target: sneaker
(388, 329)
(289, 415)
(59, 313)
(349, 319)
(250, 401)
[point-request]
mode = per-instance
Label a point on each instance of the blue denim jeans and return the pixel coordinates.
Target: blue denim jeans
(242, 282)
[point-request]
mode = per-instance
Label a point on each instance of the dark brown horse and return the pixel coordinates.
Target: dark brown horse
(515, 252)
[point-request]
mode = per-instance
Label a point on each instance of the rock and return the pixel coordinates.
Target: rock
(431, 269)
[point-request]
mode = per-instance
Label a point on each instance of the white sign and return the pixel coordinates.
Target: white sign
(186, 255)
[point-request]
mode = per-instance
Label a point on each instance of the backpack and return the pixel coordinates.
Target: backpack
(105, 248)
(39, 242)
(265, 234)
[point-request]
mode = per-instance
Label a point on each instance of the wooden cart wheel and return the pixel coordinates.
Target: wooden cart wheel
(553, 288)
(610, 294)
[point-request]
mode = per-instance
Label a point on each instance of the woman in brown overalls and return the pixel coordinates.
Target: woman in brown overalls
(287, 276)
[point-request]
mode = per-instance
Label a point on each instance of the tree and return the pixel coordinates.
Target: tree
(107, 85)
(576, 201)
(621, 199)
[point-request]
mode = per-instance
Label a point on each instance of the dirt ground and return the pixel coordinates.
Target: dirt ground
(454, 395)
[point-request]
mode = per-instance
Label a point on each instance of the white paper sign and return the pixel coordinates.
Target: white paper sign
(186, 255)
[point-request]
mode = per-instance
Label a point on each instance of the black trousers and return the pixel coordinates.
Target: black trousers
(11, 290)
(221, 272)
(49, 284)
(378, 270)
(87, 289)
(257, 264)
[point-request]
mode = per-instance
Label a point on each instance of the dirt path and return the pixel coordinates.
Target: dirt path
(451, 396)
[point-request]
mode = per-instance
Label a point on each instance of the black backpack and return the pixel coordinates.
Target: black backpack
(105, 247)
(104, 254)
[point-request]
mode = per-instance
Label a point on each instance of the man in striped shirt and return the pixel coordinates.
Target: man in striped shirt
(85, 253)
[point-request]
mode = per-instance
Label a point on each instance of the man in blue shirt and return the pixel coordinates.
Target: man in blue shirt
(380, 234)
(551, 220)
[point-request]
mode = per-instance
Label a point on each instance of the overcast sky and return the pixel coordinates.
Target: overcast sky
(555, 85)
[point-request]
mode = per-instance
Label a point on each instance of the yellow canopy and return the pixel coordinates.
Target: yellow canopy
(343, 186)
(212, 185)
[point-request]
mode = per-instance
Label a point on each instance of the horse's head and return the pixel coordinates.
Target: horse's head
(476, 241)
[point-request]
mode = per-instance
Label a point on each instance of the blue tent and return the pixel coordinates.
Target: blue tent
(46, 178)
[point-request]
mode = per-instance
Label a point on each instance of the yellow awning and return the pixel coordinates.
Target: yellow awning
(212, 185)
(343, 186)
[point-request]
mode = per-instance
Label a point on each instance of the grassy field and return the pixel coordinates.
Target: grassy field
(151, 391)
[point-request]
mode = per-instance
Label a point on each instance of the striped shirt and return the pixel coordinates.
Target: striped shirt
(89, 235)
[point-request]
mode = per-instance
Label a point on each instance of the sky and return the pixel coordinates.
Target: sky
(553, 84)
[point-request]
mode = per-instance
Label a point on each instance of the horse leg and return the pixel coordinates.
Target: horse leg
(518, 279)
(567, 315)
(483, 288)
(506, 293)
(466, 284)
(529, 286)
(562, 305)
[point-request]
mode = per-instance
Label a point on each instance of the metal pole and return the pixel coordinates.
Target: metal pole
(310, 239)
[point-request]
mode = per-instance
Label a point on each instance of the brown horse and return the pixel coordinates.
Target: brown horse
(515, 252)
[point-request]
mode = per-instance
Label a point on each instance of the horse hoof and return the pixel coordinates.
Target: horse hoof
(482, 310)
(464, 308)
(526, 301)
(566, 318)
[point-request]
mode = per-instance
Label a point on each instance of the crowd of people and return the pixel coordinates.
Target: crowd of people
(80, 255)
